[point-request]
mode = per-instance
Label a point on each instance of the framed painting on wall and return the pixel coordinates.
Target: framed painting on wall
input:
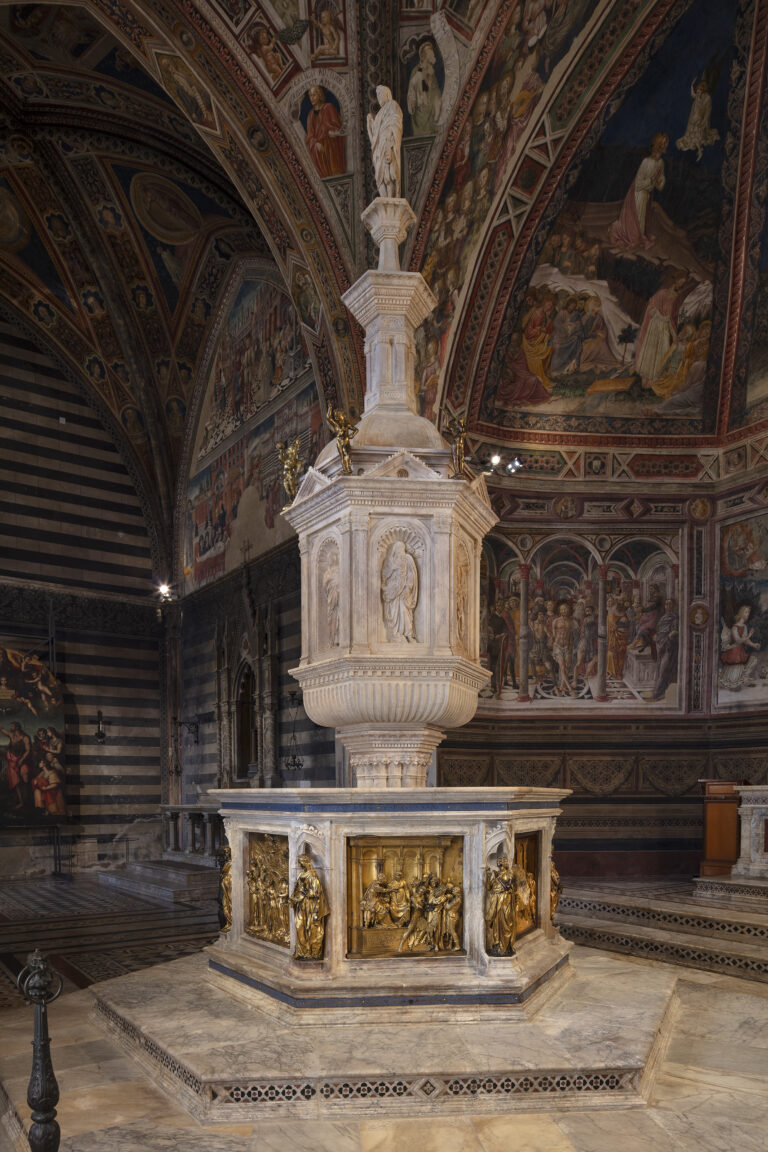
(32, 773)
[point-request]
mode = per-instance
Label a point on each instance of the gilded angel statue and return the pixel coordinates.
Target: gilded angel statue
(292, 466)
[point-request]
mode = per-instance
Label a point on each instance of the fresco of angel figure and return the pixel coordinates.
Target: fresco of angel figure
(699, 134)
(329, 33)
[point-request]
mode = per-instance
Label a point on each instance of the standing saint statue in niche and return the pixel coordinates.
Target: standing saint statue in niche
(310, 909)
(399, 591)
(385, 131)
(507, 887)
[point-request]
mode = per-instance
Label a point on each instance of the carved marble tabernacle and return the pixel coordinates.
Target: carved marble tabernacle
(390, 537)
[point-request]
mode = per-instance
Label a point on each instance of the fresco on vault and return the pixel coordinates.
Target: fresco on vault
(32, 775)
(320, 116)
(257, 395)
(742, 631)
(641, 624)
(757, 370)
(234, 502)
(250, 364)
(536, 38)
(422, 81)
(615, 325)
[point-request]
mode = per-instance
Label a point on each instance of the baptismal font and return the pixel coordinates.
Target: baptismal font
(391, 896)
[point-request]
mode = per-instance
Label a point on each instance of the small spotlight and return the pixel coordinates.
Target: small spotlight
(495, 459)
(164, 591)
(514, 465)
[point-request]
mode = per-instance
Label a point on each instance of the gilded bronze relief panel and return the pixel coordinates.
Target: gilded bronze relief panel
(267, 906)
(405, 896)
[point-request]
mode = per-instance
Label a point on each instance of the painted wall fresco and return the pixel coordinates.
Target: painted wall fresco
(234, 502)
(641, 624)
(535, 39)
(259, 392)
(757, 371)
(32, 774)
(421, 85)
(250, 365)
(742, 632)
(615, 329)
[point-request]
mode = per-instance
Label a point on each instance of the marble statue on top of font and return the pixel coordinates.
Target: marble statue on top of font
(385, 132)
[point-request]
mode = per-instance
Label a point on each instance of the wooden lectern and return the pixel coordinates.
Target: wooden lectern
(722, 839)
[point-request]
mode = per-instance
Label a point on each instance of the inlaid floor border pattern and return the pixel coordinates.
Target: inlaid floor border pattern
(662, 917)
(232, 1100)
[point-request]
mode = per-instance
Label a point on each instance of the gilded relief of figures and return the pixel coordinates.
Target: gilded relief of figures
(615, 326)
(32, 774)
(562, 664)
(742, 627)
(267, 916)
(537, 36)
(405, 896)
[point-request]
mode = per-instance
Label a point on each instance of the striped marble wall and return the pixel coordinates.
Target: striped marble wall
(69, 513)
(214, 628)
(75, 562)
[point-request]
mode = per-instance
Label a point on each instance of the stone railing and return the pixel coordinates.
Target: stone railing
(192, 832)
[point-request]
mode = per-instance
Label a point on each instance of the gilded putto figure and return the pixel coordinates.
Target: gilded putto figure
(292, 466)
(456, 430)
(345, 431)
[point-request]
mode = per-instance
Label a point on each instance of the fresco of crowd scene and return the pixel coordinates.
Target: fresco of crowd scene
(642, 629)
(32, 777)
(575, 349)
(250, 360)
(247, 476)
(536, 38)
(616, 322)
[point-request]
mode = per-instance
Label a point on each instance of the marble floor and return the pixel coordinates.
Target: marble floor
(709, 1092)
(90, 932)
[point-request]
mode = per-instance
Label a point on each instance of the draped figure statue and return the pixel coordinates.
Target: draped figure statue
(385, 131)
(399, 591)
(310, 909)
(507, 886)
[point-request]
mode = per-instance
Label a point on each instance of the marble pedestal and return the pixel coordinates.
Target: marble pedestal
(594, 1045)
(456, 834)
(749, 875)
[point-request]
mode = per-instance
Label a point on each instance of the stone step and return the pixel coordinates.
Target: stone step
(163, 882)
(109, 931)
(732, 889)
(734, 957)
(187, 873)
(675, 915)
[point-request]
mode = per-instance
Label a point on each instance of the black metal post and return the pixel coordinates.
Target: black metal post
(40, 985)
